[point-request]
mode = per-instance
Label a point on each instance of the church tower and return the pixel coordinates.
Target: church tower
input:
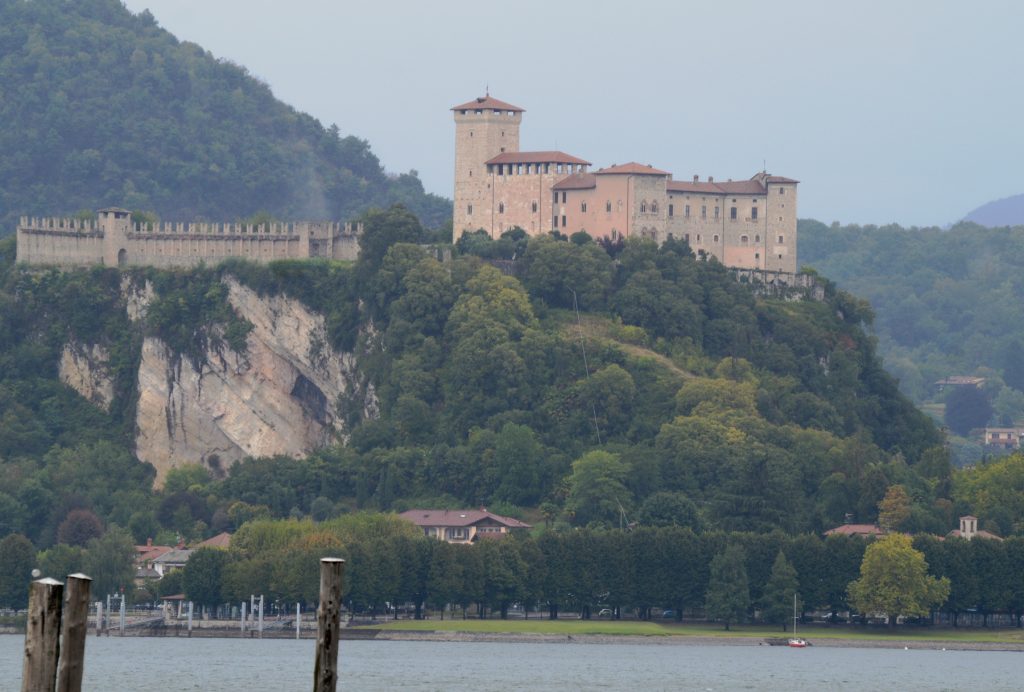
(484, 128)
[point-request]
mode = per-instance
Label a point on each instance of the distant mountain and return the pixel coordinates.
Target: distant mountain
(1001, 212)
(103, 107)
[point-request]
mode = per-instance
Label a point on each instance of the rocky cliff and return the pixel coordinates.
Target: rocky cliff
(285, 393)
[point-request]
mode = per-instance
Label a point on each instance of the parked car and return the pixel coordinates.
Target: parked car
(668, 613)
(606, 613)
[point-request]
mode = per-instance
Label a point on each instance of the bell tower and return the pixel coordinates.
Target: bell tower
(484, 128)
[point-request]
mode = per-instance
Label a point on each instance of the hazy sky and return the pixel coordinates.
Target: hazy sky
(900, 111)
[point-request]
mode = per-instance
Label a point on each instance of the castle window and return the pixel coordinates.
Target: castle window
(698, 238)
(686, 237)
(470, 172)
(744, 239)
(780, 256)
(608, 206)
(554, 221)
(479, 111)
(465, 112)
(686, 211)
(469, 210)
(519, 169)
(716, 211)
(501, 169)
(615, 234)
(501, 207)
(563, 198)
(558, 168)
(757, 255)
(654, 207)
(671, 210)
(732, 213)
(753, 213)
(781, 240)
(583, 207)
(534, 206)
(643, 207)
(716, 238)
(547, 167)
(757, 239)
(782, 190)
(563, 220)
(470, 133)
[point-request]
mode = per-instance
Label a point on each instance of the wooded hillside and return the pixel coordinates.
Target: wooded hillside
(102, 107)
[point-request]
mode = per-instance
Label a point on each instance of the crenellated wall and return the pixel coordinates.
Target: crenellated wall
(115, 239)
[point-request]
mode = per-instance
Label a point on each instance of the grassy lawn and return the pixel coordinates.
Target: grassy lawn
(634, 627)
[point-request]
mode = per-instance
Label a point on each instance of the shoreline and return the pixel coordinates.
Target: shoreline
(686, 640)
(373, 634)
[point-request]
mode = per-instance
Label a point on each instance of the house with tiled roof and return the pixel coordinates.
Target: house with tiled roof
(862, 530)
(745, 224)
(462, 525)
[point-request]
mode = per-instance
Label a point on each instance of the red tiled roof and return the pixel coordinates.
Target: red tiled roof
(631, 168)
(576, 181)
(221, 540)
(145, 553)
(458, 517)
(705, 188)
(754, 186)
(537, 157)
(481, 102)
(955, 533)
(855, 530)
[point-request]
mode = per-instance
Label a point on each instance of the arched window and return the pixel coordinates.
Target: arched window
(534, 207)
(744, 239)
(716, 238)
(608, 206)
(501, 207)
(469, 210)
(654, 207)
(643, 207)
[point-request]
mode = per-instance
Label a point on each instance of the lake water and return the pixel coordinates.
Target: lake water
(139, 663)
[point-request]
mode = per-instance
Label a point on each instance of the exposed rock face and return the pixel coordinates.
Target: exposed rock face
(280, 397)
(84, 369)
(136, 298)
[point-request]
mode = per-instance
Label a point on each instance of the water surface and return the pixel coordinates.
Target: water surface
(138, 663)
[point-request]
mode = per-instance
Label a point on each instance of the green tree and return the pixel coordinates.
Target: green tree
(894, 580)
(967, 408)
(597, 490)
(17, 559)
(777, 599)
(669, 509)
(109, 561)
(202, 576)
(728, 594)
(519, 459)
(894, 509)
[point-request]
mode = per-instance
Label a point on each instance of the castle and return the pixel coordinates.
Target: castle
(113, 239)
(746, 224)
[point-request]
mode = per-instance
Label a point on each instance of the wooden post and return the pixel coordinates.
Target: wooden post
(328, 620)
(73, 630)
(42, 648)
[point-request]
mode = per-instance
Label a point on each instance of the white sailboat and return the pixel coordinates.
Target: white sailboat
(795, 641)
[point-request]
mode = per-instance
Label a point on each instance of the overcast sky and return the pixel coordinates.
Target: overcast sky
(902, 111)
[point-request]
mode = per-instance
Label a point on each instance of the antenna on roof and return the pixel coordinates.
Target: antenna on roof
(487, 89)
(764, 165)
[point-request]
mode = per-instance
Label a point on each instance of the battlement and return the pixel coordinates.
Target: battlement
(54, 223)
(114, 239)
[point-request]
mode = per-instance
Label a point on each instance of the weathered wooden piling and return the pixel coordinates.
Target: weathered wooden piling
(42, 636)
(328, 620)
(75, 625)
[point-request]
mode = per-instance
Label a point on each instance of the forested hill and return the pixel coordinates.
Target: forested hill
(103, 107)
(697, 403)
(946, 302)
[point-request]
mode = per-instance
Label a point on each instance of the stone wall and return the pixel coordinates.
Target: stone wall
(115, 240)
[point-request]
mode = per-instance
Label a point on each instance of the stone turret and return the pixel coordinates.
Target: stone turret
(115, 224)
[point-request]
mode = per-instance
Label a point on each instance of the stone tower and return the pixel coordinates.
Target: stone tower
(115, 224)
(484, 128)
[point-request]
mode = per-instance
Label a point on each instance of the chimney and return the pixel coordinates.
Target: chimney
(149, 542)
(696, 178)
(711, 179)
